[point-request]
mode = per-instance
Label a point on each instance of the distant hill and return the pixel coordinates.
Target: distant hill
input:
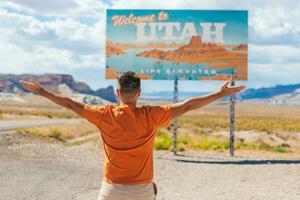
(281, 94)
(266, 93)
(290, 98)
(9, 83)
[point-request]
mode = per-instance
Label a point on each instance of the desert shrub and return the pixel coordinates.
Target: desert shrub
(38, 111)
(210, 123)
(280, 149)
(163, 141)
(210, 145)
(34, 131)
(55, 132)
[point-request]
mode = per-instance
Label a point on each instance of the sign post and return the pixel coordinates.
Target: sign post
(175, 125)
(232, 110)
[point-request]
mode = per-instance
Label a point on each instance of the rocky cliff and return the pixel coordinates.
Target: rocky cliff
(241, 47)
(9, 83)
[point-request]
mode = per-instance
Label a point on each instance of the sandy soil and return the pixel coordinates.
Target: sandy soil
(34, 168)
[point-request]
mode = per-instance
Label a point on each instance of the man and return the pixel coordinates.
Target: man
(128, 133)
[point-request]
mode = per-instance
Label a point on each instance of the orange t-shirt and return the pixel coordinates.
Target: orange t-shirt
(128, 135)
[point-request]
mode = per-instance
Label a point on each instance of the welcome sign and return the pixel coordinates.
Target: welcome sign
(187, 44)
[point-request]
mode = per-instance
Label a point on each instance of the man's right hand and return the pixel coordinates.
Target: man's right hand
(32, 86)
(226, 89)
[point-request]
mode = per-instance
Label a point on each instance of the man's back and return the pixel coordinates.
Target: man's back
(128, 134)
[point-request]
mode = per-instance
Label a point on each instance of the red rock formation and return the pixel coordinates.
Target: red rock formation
(197, 52)
(194, 52)
(241, 47)
(112, 49)
(111, 73)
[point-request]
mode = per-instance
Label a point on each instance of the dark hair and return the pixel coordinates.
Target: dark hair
(129, 82)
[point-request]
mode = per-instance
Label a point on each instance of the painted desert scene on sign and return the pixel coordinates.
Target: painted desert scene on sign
(196, 60)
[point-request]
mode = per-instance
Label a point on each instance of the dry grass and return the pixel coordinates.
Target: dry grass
(164, 141)
(208, 124)
(24, 112)
(34, 107)
(61, 132)
(195, 128)
(1, 115)
(251, 110)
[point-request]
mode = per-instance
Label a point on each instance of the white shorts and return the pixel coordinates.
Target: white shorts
(126, 192)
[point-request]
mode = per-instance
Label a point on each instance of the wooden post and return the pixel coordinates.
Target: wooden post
(232, 104)
(175, 126)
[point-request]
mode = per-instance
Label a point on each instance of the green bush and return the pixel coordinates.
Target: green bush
(55, 133)
(183, 140)
(280, 149)
(163, 141)
(210, 144)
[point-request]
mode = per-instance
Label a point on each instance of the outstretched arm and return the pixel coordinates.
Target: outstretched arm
(198, 102)
(66, 102)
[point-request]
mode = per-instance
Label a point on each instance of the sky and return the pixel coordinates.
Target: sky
(69, 36)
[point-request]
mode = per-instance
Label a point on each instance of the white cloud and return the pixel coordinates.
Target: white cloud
(30, 44)
(66, 28)
(65, 8)
(276, 20)
(90, 8)
(280, 54)
(42, 59)
(174, 4)
(269, 74)
(69, 29)
(16, 7)
(14, 20)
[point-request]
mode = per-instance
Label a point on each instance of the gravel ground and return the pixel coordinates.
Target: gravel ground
(33, 169)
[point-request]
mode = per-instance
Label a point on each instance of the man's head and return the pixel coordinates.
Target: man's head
(129, 87)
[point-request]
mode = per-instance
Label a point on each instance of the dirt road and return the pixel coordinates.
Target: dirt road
(10, 125)
(38, 169)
